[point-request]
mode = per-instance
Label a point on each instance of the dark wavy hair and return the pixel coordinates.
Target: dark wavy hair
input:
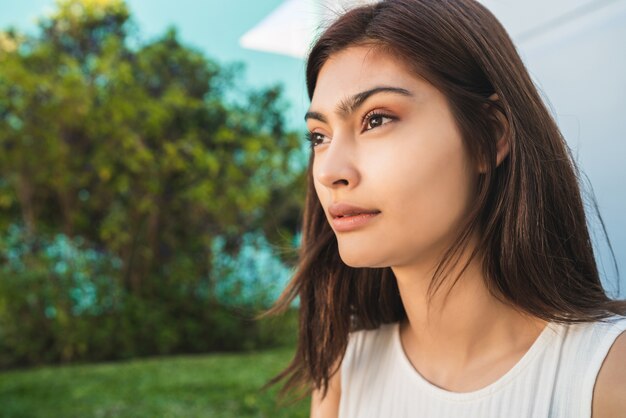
(534, 244)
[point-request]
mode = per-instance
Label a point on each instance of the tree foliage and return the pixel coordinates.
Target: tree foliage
(138, 150)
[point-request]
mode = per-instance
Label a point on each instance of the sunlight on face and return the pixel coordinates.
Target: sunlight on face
(390, 167)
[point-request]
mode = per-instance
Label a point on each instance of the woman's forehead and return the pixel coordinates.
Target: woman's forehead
(361, 63)
(361, 68)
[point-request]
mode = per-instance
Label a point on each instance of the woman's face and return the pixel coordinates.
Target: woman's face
(390, 167)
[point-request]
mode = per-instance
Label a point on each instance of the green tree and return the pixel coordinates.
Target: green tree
(137, 149)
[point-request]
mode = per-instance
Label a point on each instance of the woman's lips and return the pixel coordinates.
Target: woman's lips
(346, 217)
(352, 222)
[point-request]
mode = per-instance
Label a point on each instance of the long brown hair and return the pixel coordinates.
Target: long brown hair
(534, 243)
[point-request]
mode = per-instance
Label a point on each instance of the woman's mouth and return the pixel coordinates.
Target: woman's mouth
(346, 217)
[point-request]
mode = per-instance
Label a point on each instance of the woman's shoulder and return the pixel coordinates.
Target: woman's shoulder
(592, 365)
(367, 356)
(609, 395)
(367, 344)
(584, 346)
(595, 335)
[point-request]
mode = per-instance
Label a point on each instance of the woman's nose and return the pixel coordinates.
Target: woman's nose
(335, 166)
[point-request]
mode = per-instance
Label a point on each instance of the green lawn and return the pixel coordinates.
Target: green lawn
(216, 386)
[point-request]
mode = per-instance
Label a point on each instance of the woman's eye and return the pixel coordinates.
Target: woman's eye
(376, 120)
(315, 138)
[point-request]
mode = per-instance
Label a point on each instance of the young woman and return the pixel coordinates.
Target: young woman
(446, 267)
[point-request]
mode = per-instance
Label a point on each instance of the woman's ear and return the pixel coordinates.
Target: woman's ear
(502, 133)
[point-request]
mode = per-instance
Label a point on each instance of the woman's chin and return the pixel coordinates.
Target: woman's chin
(361, 258)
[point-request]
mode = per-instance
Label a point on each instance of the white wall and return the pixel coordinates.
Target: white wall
(576, 53)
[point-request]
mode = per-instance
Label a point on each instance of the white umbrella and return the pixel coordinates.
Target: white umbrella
(290, 29)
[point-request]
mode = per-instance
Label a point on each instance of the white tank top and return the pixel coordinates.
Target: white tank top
(555, 378)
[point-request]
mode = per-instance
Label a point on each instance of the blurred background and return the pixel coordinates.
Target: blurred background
(152, 180)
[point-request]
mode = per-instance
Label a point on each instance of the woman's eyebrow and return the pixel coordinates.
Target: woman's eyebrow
(349, 105)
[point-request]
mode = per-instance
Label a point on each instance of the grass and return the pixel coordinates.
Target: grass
(216, 386)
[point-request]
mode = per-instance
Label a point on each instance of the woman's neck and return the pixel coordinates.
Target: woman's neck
(460, 326)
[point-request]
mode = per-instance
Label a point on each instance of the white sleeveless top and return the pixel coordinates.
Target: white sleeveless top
(555, 378)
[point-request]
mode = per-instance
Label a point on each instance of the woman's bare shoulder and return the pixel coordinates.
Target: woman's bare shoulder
(609, 395)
